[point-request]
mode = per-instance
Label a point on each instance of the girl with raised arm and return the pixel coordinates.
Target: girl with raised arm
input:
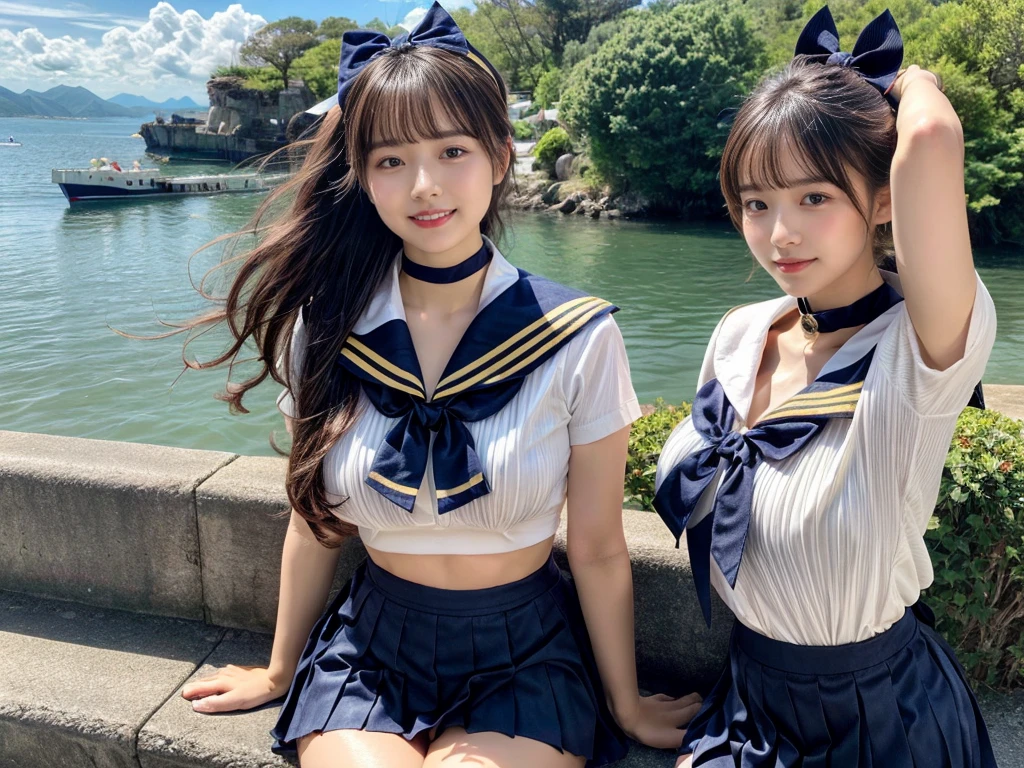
(805, 479)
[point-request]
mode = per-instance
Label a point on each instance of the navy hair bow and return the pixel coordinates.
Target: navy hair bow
(877, 54)
(436, 29)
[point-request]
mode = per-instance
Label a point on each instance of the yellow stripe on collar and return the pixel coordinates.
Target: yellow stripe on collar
(562, 326)
(831, 394)
(844, 406)
(379, 376)
(484, 359)
(408, 490)
(383, 362)
(474, 480)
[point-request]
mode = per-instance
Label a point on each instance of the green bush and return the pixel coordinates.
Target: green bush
(549, 87)
(523, 130)
(552, 145)
(976, 539)
(647, 102)
(646, 439)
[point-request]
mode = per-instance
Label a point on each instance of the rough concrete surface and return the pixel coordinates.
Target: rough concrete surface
(1008, 399)
(241, 534)
(77, 682)
(178, 737)
(101, 522)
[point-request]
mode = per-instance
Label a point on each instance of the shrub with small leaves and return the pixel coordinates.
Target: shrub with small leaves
(976, 539)
(552, 145)
(645, 443)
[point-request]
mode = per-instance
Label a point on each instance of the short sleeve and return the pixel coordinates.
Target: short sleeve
(929, 391)
(286, 400)
(599, 392)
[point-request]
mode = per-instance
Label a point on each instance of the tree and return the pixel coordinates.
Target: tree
(562, 21)
(510, 42)
(280, 43)
(333, 27)
(379, 26)
(318, 67)
(648, 101)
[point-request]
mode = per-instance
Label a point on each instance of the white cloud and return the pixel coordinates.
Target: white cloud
(170, 51)
(71, 12)
(413, 17)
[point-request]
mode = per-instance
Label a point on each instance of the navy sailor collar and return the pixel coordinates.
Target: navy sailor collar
(740, 341)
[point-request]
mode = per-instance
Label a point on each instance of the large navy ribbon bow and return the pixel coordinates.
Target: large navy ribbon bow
(517, 332)
(781, 433)
(436, 29)
(877, 54)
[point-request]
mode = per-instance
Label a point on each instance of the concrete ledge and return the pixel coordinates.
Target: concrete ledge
(105, 523)
(1008, 399)
(77, 683)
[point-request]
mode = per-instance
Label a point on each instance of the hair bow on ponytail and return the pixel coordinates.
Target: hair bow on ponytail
(876, 56)
(437, 29)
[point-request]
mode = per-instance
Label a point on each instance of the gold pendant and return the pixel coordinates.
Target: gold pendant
(809, 326)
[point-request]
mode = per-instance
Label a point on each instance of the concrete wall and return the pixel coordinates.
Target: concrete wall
(198, 535)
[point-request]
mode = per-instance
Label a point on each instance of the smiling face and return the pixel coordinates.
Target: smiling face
(433, 193)
(809, 235)
(430, 142)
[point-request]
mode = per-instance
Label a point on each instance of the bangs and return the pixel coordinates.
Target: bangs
(404, 102)
(786, 146)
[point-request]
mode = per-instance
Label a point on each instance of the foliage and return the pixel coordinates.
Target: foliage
(552, 145)
(280, 43)
(648, 100)
(646, 439)
(509, 39)
(976, 539)
(549, 88)
(523, 130)
(333, 27)
(378, 25)
(565, 21)
(318, 67)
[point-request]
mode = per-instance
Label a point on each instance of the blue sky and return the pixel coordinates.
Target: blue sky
(156, 49)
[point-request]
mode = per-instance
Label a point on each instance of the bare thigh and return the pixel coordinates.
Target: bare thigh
(685, 761)
(456, 748)
(350, 748)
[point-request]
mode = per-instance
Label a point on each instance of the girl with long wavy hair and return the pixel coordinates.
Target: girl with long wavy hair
(806, 477)
(444, 405)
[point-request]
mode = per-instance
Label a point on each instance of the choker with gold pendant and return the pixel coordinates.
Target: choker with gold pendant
(860, 312)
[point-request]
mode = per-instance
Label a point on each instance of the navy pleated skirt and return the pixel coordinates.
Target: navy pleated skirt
(393, 656)
(898, 700)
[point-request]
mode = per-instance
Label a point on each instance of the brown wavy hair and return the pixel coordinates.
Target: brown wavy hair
(322, 249)
(832, 120)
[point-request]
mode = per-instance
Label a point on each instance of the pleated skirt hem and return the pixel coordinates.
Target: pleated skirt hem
(898, 700)
(391, 656)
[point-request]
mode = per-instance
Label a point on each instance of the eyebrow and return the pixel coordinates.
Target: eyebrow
(397, 142)
(805, 182)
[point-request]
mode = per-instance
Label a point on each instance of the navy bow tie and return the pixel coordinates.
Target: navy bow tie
(436, 29)
(514, 334)
(781, 433)
(876, 56)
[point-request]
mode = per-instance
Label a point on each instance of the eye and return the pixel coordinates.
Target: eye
(815, 198)
(753, 206)
(453, 153)
(389, 162)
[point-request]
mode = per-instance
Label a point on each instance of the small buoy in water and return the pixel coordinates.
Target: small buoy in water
(136, 136)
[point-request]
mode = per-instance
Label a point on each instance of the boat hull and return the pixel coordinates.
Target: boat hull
(107, 185)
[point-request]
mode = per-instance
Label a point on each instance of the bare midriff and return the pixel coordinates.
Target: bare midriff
(464, 571)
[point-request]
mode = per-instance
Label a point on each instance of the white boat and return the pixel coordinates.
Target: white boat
(90, 185)
(10, 143)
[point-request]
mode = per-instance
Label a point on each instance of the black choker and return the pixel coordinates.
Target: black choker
(861, 312)
(454, 274)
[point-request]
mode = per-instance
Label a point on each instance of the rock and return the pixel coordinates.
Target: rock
(596, 212)
(551, 195)
(563, 167)
(567, 206)
(587, 208)
(603, 202)
(614, 213)
(632, 204)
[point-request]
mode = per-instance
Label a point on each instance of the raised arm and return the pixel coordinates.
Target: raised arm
(933, 249)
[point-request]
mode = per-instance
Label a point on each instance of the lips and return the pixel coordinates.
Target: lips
(433, 218)
(789, 266)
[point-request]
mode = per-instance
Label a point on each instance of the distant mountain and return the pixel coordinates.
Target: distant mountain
(68, 101)
(131, 100)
